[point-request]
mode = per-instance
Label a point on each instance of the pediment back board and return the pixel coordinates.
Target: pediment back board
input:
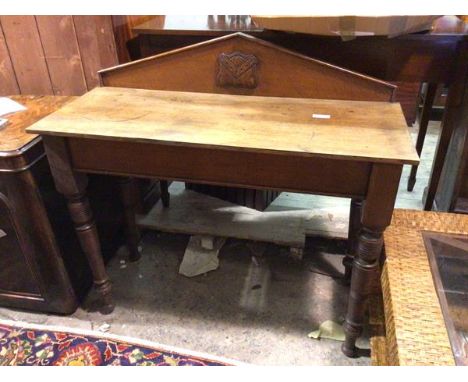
(245, 65)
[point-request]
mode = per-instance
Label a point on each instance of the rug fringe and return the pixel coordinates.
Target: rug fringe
(129, 340)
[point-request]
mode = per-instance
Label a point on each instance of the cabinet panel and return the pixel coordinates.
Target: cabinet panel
(15, 273)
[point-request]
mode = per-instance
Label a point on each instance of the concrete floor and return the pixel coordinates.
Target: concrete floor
(252, 309)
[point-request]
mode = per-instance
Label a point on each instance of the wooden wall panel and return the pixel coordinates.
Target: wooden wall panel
(62, 54)
(123, 31)
(27, 55)
(59, 55)
(97, 45)
(8, 84)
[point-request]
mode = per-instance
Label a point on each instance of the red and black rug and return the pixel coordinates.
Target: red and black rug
(34, 346)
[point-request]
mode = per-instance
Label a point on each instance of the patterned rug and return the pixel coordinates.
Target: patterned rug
(27, 345)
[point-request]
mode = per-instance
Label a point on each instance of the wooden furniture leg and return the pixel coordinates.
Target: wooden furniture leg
(353, 236)
(453, 117)
(165, 196)
(73, 186)
(423, 123)
(129, 202)
(376, 216)
(364, 266)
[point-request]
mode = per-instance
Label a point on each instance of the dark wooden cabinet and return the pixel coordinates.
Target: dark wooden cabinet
(41, 264)
(32, 272)
(452, 192)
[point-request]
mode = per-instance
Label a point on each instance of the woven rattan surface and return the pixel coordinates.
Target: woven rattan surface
(415, 328)
(378, 341)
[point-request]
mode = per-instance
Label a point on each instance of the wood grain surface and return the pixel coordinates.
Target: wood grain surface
(60, 55)
(244, 65)
(27, 54)
(13, 135)
(373, 131)
(280, 72)
(207, 25)
(8, 83)
(97, 46)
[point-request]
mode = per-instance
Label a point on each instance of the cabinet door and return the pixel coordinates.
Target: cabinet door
(16, 275)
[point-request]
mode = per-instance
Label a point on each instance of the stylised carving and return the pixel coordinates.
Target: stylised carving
(237, 69)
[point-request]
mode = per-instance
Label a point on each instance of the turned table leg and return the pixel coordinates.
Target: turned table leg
(376, 215)
(364, 266)
(129, 202)
(165, 196)
(73, 186)
(423, 123)
(353, 235)
(85, 228)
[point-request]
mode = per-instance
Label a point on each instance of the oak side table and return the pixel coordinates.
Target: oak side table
(344, 148)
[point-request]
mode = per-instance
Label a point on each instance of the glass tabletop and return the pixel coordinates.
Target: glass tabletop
(448, 257)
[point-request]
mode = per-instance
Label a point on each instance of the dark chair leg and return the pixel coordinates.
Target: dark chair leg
(73, 186)
(423, 123)
(364, 267)
(353, 236)
(128, 197)
(85, 228)
(376, 216)
(165, 196)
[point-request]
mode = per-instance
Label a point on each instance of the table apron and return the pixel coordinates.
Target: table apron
(318, 175)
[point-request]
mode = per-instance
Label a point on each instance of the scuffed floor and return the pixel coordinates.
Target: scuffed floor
(255, 309)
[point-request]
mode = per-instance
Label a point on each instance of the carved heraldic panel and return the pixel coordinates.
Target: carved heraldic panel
(237, 69)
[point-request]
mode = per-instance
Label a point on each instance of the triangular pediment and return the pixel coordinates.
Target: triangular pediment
(243, 64)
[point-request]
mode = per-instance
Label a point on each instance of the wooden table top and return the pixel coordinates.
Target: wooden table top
(207, 25)
(217, 24)
(13, 136)
(450, 25)
(371, 131)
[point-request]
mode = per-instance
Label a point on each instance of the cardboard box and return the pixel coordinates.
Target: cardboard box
(348, 27)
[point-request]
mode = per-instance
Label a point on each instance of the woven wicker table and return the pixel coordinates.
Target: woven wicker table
(415, 331)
